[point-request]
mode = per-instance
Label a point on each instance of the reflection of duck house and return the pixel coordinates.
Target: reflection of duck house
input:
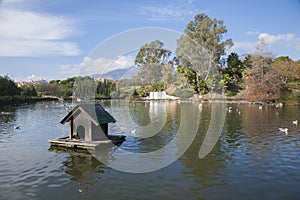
(88, 128)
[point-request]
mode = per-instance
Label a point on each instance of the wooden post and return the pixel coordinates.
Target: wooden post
(71, 128)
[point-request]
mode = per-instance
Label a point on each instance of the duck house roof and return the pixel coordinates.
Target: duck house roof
(95, 111)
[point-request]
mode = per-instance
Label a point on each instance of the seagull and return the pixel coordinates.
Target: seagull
(17, 127)
(260, 107)
(133, 132)
(295, 122)
(200, 106)
(284, 130)
(229, 109)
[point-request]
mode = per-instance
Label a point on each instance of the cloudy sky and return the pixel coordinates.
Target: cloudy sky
(53, 39)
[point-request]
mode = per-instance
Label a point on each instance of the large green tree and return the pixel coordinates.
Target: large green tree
(28, 91)
(151, 58)
(232, 74)
(200, 48)
(8, 87)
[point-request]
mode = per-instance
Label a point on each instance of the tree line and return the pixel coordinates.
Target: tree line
(9, 88)
(78, 86)
(200, 65)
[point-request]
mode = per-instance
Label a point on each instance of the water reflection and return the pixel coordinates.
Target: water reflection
(7, 123)
(208, 171)
(252, 159)
(81, 166)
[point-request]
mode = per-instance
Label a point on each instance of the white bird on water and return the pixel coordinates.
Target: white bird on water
(295, 122)
(260, 107)
(284, 130)
(229, 109)
(133, 132)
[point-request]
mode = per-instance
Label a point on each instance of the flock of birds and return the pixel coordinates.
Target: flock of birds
(229, 109)
(260, 107)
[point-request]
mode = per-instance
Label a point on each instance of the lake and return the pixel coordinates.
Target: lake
(250, 160)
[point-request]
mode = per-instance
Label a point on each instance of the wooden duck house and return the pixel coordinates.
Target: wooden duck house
(88, 128)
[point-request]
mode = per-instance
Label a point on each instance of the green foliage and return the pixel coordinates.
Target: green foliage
(233, 74)
(183, 93)
(144, 91)
(8, 87)
(49, 89)
(199, 50)
(291, 98)
(82, 87)
(196, 83)
(105, 88)
(28, 91)
(208, 33)
(151, 58)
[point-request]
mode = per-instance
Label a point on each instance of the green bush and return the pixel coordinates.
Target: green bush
(28, 91)
(183, 93)
(292, 98)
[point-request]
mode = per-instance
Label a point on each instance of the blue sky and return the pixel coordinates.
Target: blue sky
(52, 39)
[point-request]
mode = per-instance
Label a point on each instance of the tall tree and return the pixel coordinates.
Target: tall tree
(201, 47)
(208, 33)
(262, 80)
(151, 58)
(286, 68)
(233, 73)
(167, 73)
(8, 87)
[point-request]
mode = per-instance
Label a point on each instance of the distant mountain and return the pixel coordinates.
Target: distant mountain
(118, 73)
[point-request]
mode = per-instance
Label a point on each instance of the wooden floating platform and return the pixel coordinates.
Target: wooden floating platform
(87, 145)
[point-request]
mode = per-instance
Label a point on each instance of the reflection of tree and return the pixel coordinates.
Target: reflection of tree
(7, 114)
(206, 172)
(141, 112)
(233, 125)
(82, 167)
(7, 122)
(258, 124)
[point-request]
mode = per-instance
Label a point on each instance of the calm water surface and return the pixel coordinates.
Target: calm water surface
(251, 160)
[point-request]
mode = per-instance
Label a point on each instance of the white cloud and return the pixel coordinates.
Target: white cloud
(272, 39)
(243, 46)
(166, 12)
(252, 32)
(282, 40)
(27, 33)
(91, 66)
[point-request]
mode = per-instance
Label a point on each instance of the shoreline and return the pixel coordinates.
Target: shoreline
(17, 100)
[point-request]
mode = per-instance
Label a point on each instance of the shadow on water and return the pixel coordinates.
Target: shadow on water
(81, 165)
